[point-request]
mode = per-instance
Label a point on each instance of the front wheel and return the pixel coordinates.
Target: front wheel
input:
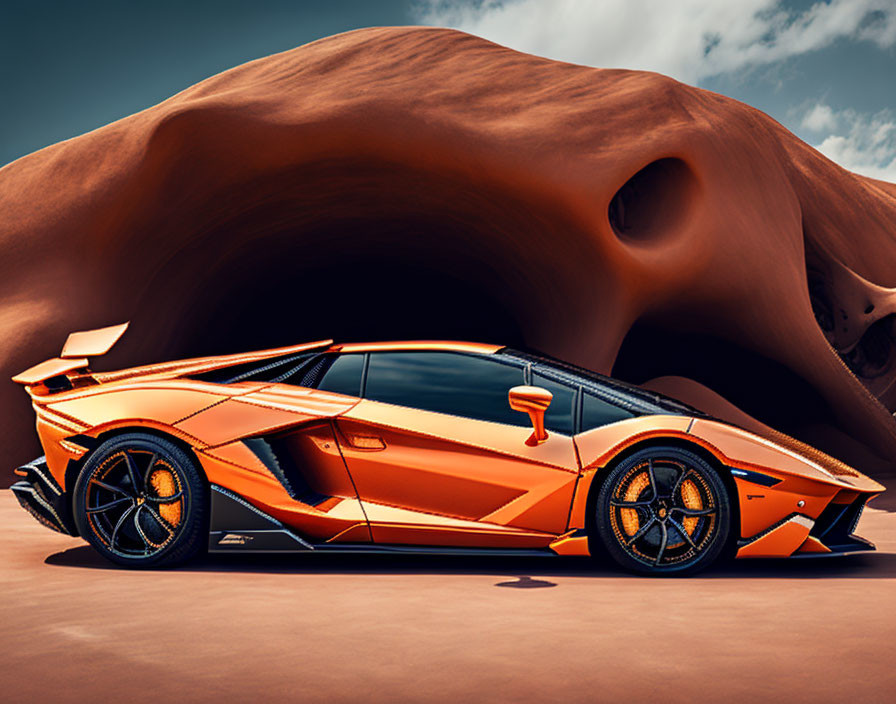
(664, 510)
(140, 501)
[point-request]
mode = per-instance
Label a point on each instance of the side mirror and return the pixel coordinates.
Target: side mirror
(535, 401)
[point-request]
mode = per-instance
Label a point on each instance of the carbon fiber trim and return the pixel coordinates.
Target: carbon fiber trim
(37, 506)
(749, 475)
(40, 495)
(836, 525)
(273, 455)
(238, 526)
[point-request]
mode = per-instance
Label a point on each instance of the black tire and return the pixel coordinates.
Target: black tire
(141, 502)
(663, 511)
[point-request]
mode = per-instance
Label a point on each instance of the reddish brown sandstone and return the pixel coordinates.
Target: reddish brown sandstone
(391, 183)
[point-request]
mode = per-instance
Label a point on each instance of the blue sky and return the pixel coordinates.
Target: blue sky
(825, 69)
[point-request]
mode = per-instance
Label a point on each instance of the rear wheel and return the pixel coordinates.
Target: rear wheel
(664, 510)
(140, 501)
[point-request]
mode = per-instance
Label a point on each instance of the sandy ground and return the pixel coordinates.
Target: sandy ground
(334, 628)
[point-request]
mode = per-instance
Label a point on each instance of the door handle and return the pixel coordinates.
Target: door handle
(370, 443)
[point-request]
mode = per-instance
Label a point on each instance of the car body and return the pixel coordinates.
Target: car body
(413, 446)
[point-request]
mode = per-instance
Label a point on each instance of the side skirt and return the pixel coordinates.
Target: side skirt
(430, 550)
(237, 526)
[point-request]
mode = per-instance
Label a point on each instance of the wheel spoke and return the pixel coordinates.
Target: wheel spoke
(641, 531)
(132, 470)
(111, 487)
(111, 504)
(630, 504)
(692, 511)
(139, 529)
(152, 463)
(652, 477)
(165, 499)
(684, 534)
(663, 541)
(118, 525)
(684, 472)
(161, 521)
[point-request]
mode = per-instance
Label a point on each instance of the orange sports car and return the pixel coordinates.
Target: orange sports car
(413, 446)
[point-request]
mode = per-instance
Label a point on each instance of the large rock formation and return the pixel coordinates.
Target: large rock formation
(400, 183)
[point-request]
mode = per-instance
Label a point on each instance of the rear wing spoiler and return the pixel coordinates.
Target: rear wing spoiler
(75, 353)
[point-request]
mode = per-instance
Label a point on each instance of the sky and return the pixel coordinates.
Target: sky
(826, 69)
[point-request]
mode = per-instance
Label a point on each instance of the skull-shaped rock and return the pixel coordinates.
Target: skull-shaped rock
(405, 183)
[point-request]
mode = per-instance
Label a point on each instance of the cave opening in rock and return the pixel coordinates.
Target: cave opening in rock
(375, 287)
(653, 201)
(361, 251)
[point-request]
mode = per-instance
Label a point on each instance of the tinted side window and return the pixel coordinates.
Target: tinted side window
(445, 382)
(596, 412)
(560, 416)
(344, 375)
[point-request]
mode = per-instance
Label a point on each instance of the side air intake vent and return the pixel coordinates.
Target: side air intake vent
(274, 454)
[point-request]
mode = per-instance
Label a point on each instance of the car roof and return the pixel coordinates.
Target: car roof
(418, 345)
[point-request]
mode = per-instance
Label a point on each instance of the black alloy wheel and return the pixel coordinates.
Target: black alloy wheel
(664, 510)
(140, 501)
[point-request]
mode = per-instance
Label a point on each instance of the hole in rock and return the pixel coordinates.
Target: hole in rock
(874, 355)
(654, 201)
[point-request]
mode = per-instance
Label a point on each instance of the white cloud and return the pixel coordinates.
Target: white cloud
(820, 118)
(687, 39)
(862, 143)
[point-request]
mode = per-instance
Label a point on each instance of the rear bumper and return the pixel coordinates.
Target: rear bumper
(40, 495)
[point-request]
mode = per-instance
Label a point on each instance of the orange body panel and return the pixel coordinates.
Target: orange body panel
(96, 409)
(481, 537)
(359, 533)
(225, 422)
(419, 345)
(598, 446)
(783, 540)
(813, 545)
(166, 403)
(49, 415)
(46, 370)
(265, 492)
(52, 436)
(456, 468)
(805, 487)
(744, 449)
(315, 448)
(311, 402)
(764, 506)
(260, 412)
(570, 546)
(92, 343)
(238, 454)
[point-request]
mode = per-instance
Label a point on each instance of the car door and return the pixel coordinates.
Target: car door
(439, 458)
(304, 455)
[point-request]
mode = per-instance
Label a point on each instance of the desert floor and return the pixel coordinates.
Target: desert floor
(338, 628)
